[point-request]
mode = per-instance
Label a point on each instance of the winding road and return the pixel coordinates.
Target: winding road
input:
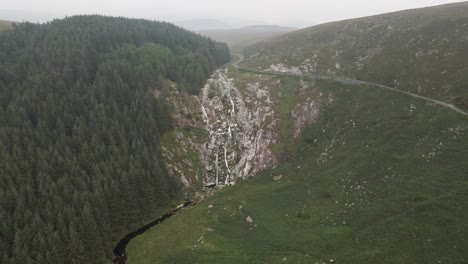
(346, 81)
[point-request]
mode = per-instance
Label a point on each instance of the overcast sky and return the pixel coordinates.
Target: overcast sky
(298, 13)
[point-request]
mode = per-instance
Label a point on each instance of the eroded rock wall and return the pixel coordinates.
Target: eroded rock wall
(241, 130)
(242, 126)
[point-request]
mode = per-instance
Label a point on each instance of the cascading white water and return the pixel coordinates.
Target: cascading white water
(238, 133)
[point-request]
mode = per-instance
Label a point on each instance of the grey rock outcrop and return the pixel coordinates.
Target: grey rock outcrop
(240, 128)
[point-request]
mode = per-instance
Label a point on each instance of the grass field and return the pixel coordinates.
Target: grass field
(380, 178)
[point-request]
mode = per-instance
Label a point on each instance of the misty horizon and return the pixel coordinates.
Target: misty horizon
(294, 13)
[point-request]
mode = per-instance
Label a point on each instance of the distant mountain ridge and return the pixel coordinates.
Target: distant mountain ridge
(27, 15)
(239, 38)
(270, 27)
(5, 25)
(202, 24)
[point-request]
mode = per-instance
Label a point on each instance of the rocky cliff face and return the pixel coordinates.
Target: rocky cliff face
(240, 125)
(240, 136)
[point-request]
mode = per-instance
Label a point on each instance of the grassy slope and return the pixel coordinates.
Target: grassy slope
(423, 51)
(371, 182)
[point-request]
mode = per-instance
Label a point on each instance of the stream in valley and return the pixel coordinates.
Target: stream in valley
(119, 250)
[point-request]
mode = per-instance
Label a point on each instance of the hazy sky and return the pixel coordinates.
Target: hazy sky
(236, 12)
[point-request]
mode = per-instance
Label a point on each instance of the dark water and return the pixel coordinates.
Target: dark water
(119, 250)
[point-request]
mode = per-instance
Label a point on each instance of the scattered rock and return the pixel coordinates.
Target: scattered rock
(249, 219)
(280, 67)
(277, 177)
(184, 181)
(304, 114)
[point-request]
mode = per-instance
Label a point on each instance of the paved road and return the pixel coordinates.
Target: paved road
(239, 58)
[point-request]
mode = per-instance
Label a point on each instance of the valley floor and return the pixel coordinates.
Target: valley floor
(379, 178)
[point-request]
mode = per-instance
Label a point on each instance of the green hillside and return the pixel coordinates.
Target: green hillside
(107, 123)
(422, 51)
(380, 177)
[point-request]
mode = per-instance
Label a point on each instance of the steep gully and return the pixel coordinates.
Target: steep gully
(348, 81)
(238, 144)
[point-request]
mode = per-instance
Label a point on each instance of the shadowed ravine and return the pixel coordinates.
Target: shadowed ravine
(119, 250)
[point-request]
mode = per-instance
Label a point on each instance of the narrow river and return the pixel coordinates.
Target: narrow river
(119, 250)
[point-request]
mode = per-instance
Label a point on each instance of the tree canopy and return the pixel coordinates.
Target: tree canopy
(80, 160)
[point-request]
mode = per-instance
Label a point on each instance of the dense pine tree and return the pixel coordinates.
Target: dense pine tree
(80, 158)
